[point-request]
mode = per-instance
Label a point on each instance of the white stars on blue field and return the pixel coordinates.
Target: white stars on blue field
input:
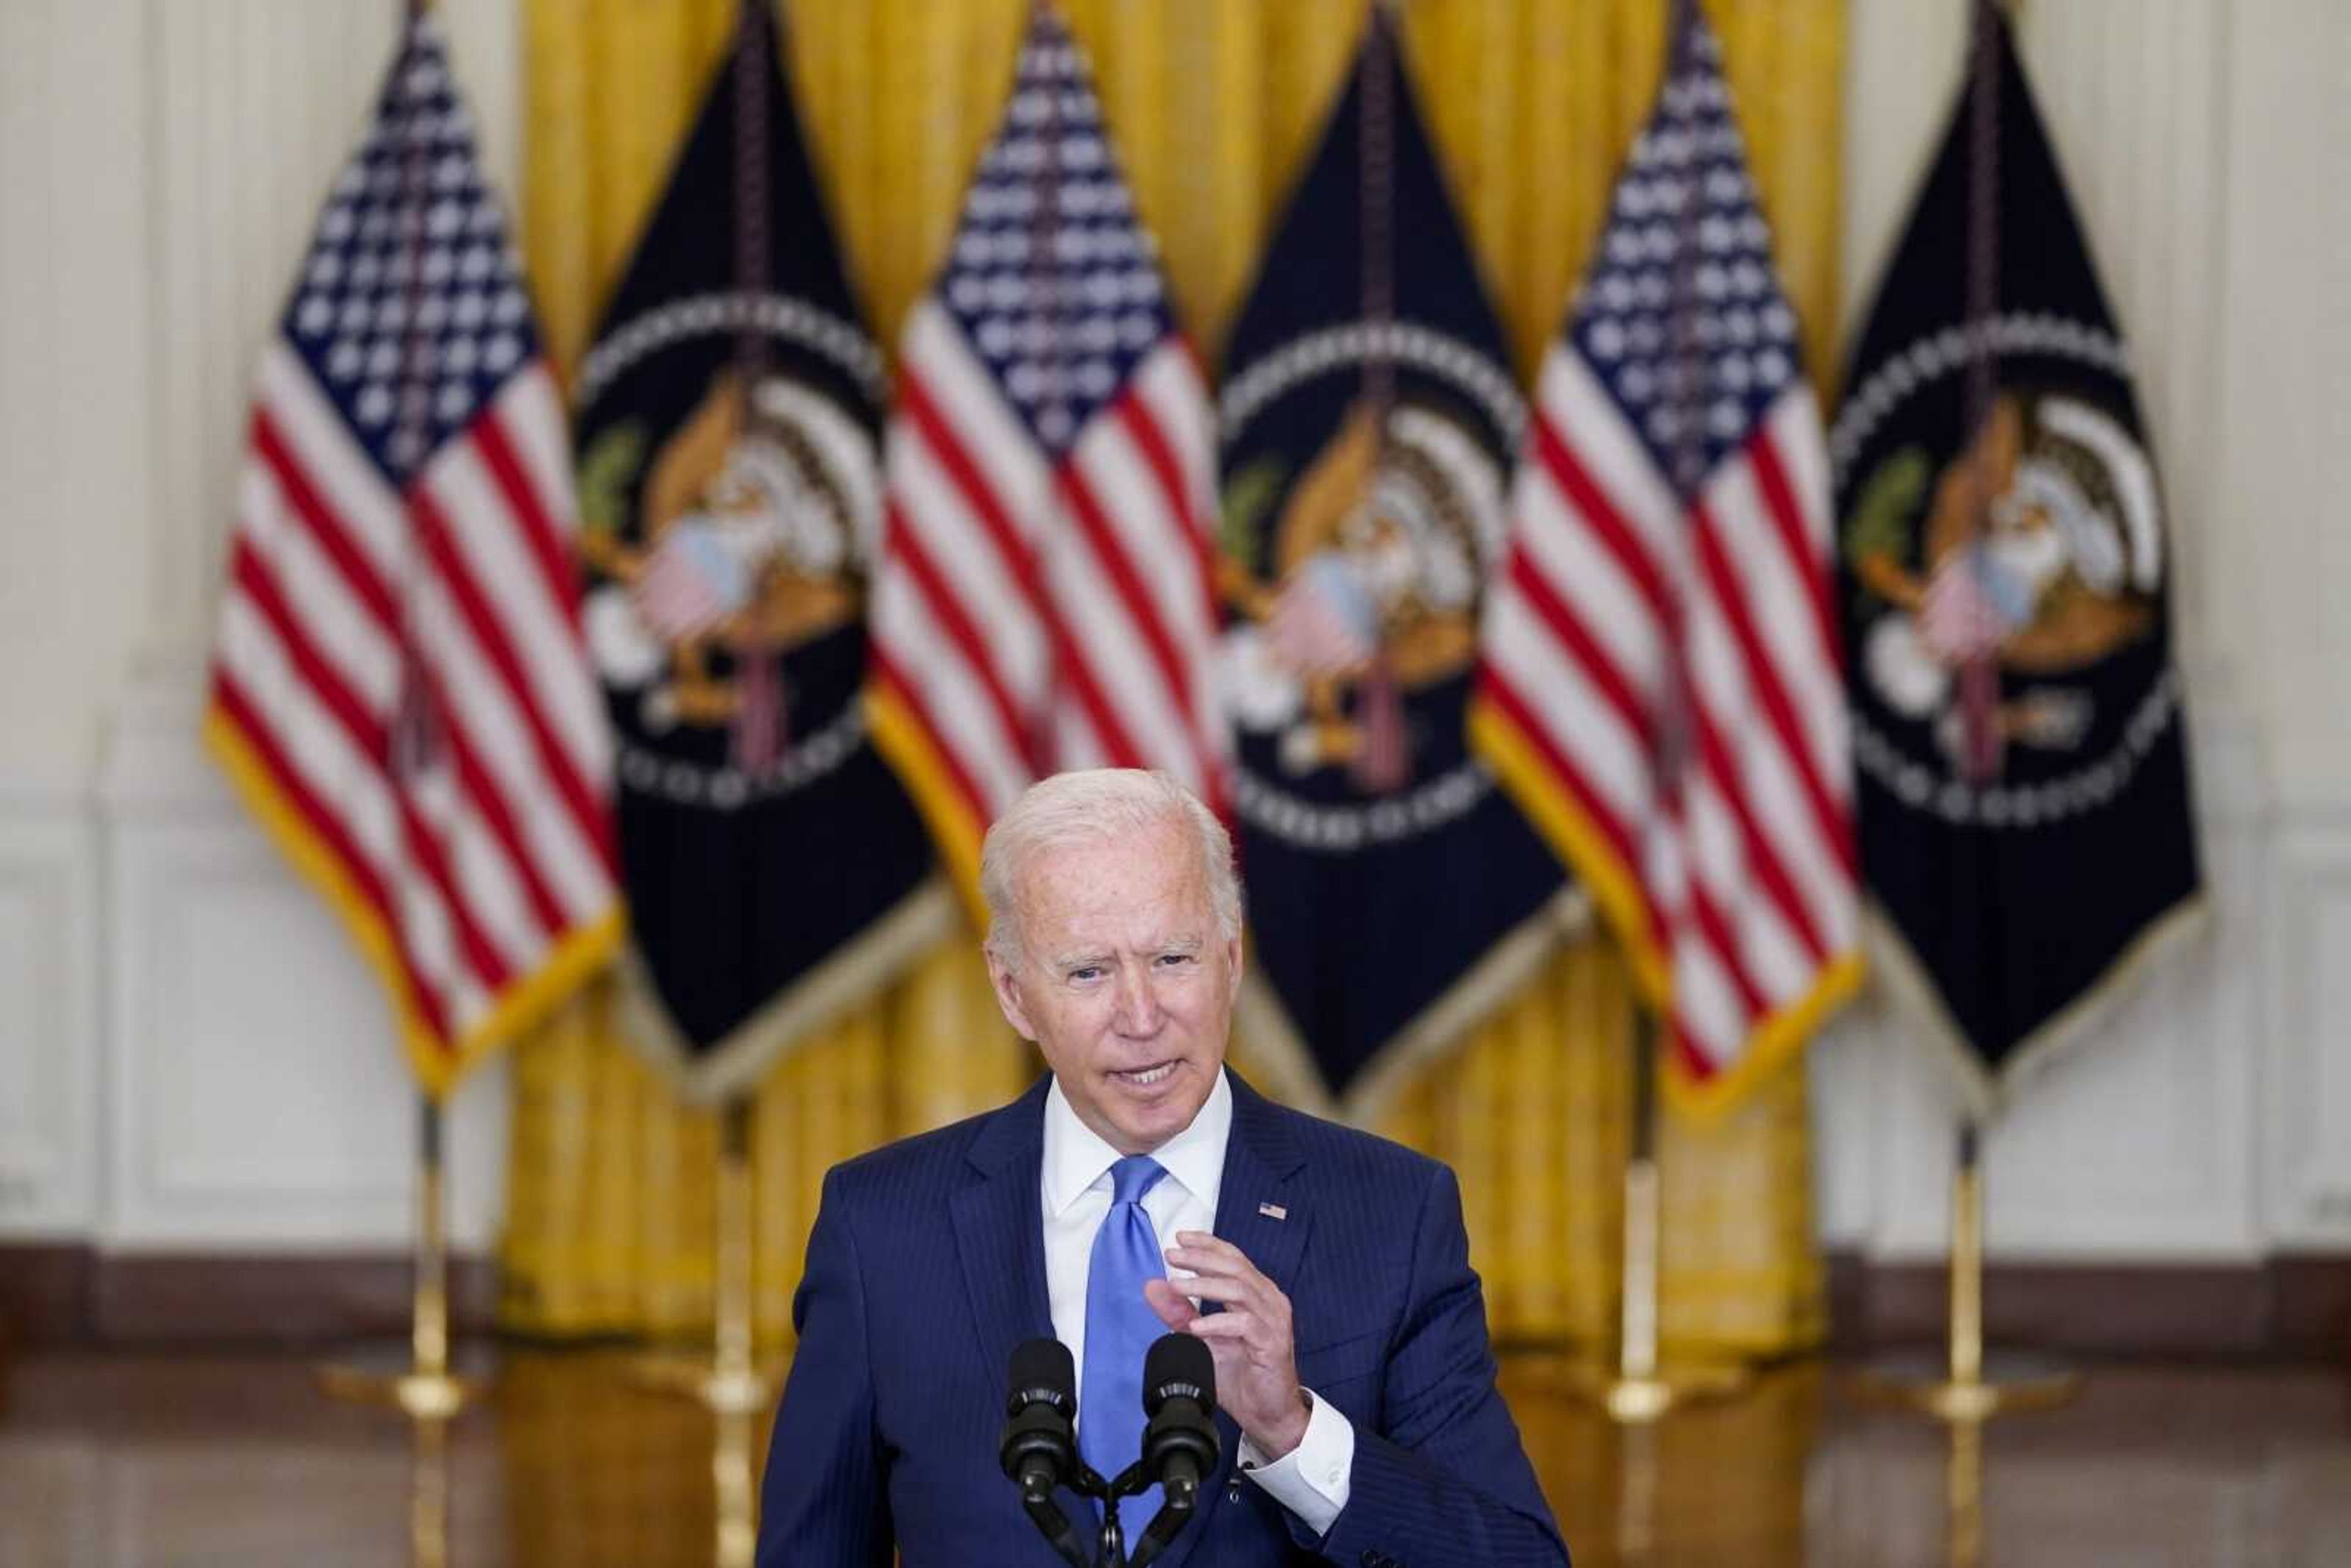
(1053, 280)
(1681, 316)
(410, 307)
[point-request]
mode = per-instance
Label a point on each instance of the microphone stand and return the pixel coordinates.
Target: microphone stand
(1110, 1549)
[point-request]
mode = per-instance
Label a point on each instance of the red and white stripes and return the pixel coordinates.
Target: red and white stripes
(1667, 678)
(1033, 614)
(346, 607)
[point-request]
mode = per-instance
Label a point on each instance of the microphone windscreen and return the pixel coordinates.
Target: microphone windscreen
(1178, 1366)
(1044, 1367)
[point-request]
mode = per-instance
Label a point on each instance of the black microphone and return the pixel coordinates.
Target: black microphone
(1180, 1446)
(1039, 1449)
(1040, 1444)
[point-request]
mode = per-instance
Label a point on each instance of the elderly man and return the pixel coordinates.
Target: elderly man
(1138, 1190)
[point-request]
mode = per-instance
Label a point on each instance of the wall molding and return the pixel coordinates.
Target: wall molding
(2308, 1066)
(2293, 1305)
(48, 1011)
(76, 1295)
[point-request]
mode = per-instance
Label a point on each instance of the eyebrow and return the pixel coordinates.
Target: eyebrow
(1063, 963)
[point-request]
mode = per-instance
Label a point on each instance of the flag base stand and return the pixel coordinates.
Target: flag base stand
(419, 1396)
(1967, 1386)
(2007, 1383)
(729, 1381)
(425, 1389)
(1638, 1390)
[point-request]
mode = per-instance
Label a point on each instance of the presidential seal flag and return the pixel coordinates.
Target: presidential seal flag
(1366, 419)
(2017, 730)
(400, 690)
(1659, 679)
(727, 422)
(1044, 598)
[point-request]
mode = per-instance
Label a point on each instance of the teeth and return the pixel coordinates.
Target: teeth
(1143, 1080)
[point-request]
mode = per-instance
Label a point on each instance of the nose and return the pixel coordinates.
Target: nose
(1138, 1013)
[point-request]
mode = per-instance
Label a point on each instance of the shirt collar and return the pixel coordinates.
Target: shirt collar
(1076, 1156)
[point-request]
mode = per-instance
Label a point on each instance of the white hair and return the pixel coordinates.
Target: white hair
(1086, 808)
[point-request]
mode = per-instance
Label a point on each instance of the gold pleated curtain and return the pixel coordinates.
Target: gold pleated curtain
(1213, 104)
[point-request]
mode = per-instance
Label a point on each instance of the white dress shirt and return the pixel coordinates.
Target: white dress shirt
(1313, 1480)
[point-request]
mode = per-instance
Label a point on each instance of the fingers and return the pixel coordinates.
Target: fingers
(1219, 1288)
(1229, 1278)
(1201, 1241)
(1227, 1264)
(1234, 1327)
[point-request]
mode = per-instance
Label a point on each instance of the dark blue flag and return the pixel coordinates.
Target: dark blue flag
(727, 428)
(2019, 747)
(1368, 418)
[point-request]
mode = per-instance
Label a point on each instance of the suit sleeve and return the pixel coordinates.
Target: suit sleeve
(824, 1502)
(1444, 1478)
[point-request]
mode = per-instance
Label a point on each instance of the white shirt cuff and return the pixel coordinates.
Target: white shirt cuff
(1312, 1480)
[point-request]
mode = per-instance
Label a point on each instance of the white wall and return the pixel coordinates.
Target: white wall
(189, 1056)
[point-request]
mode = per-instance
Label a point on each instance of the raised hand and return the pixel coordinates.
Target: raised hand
(1250, 1340)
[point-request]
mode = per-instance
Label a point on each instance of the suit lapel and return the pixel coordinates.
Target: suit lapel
(1262, 1160)
(999, 1231)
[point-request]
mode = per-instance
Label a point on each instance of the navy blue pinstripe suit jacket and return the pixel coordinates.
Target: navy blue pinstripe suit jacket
(926, 1266)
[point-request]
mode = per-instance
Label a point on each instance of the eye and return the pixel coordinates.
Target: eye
(1177, 960)
(1086, 972)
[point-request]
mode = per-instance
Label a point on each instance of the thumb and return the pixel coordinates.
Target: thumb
(1174, 1309)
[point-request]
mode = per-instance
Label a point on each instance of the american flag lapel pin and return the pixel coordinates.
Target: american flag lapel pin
(1273, 1211)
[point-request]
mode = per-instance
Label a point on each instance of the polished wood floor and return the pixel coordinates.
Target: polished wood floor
(232, 1461)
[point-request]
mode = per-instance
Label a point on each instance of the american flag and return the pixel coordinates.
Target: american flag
(400, 689)
(1660, 679)
(1044, 599)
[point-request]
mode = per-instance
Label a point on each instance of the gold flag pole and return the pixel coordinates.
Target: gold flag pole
(731, 1381)
(1972, 1387)
(730, 1385)
(426, 1391)
(1641, 1390)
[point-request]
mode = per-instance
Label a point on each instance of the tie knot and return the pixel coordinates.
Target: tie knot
(1132, 1177)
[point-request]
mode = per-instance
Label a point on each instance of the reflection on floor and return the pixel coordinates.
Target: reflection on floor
(232, 1462)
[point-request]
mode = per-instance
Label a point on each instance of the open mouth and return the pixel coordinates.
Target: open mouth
(1146, 1077)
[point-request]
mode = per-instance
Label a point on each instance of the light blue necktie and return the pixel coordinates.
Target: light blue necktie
(1120, 1327)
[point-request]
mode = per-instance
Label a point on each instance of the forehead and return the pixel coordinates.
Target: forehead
(1136, 888)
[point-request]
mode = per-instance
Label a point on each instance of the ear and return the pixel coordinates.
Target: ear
(1234, 952)
(1006, 987)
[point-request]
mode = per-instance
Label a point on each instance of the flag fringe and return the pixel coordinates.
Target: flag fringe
(1777, 1039)
(1985, 1091)
(439, 1064)
(885, 950)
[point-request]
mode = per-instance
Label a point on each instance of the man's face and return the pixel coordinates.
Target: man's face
(1122, 981)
